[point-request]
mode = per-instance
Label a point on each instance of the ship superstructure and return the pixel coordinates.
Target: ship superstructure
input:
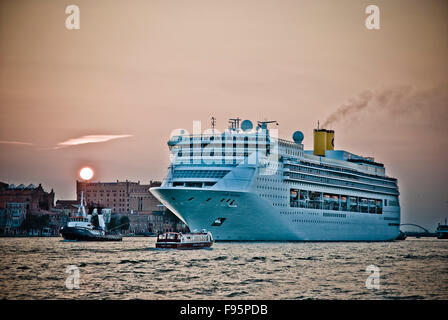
(248, 184)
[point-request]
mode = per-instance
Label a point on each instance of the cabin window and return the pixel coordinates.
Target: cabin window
(193, 184)
(218, 222)
(294, 198)
(394, 202)
(209, 184)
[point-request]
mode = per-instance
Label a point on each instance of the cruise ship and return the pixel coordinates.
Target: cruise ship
(247, 184)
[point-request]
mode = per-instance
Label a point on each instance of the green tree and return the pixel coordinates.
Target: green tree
(114, 223)
(31, 222)
(94, 221)
(43, 221)
(124, 223)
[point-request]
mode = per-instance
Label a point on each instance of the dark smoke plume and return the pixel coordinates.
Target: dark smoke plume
(397, 100)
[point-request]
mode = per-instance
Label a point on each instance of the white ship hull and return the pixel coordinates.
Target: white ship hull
(255, 219)
(246, 185)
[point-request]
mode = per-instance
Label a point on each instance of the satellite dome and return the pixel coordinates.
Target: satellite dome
(247, 125)
(174, 140)
(298, 137)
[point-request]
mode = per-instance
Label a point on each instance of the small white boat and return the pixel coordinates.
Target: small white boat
(178, 240)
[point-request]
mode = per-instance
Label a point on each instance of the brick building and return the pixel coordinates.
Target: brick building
(68, 207)
(134, 200)
(155, 222)
(122, 197)
(18, 202)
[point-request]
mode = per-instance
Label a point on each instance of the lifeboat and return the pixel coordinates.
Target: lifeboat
(178, 240)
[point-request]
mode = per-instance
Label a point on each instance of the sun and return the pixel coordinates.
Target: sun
(86, 173)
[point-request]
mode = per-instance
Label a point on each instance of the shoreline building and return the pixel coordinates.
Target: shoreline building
(17, 203)
(122, 197)
(131, 199)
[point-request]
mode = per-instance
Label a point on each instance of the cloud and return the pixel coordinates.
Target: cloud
(16, 143)
(90, 139)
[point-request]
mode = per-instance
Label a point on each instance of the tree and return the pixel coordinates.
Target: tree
(113, 223)
(31, 222)
(43, 221)
(94, 221)
(124, 223)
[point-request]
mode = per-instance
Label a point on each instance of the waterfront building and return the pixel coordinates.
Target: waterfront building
(18, 202)
(132, 199)
(68, 207)
(153, 222)
(122, 197)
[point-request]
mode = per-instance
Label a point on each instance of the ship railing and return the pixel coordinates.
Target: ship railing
(318, 204)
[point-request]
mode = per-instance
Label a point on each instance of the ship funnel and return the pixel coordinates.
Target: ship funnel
(323, 141)
(330, 139)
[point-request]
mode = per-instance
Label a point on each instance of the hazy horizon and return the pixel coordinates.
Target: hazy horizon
(109, 95)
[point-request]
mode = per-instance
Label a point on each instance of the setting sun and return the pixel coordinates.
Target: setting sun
(86, 173)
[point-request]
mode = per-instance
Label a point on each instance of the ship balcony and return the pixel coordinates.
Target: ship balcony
(337, 182)
(335, 206)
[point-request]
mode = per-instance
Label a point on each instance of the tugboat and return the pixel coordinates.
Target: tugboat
(442, 231)
(81, 228)
(178, 240)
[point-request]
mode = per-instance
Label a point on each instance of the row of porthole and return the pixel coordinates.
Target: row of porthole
(274, 204)
(334, 215)
(317, 221)
(208, 199)
(270, 188)
(272, 196)
(279, 205)
(300, 212)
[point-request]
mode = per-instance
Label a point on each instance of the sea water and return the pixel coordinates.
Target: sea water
(45, 268)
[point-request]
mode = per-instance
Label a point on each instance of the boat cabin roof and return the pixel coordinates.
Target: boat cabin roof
(79, 218)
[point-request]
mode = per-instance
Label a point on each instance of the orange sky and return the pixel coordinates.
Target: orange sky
(138, 69)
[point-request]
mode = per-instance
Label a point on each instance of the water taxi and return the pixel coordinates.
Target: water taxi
(442, 231)
(178, 240)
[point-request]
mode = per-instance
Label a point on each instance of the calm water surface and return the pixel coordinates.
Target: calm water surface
(35, 268)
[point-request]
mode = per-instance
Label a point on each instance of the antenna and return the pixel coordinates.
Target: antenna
(234, 123)
(317, 125)
(213, 124)
(263, 124)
